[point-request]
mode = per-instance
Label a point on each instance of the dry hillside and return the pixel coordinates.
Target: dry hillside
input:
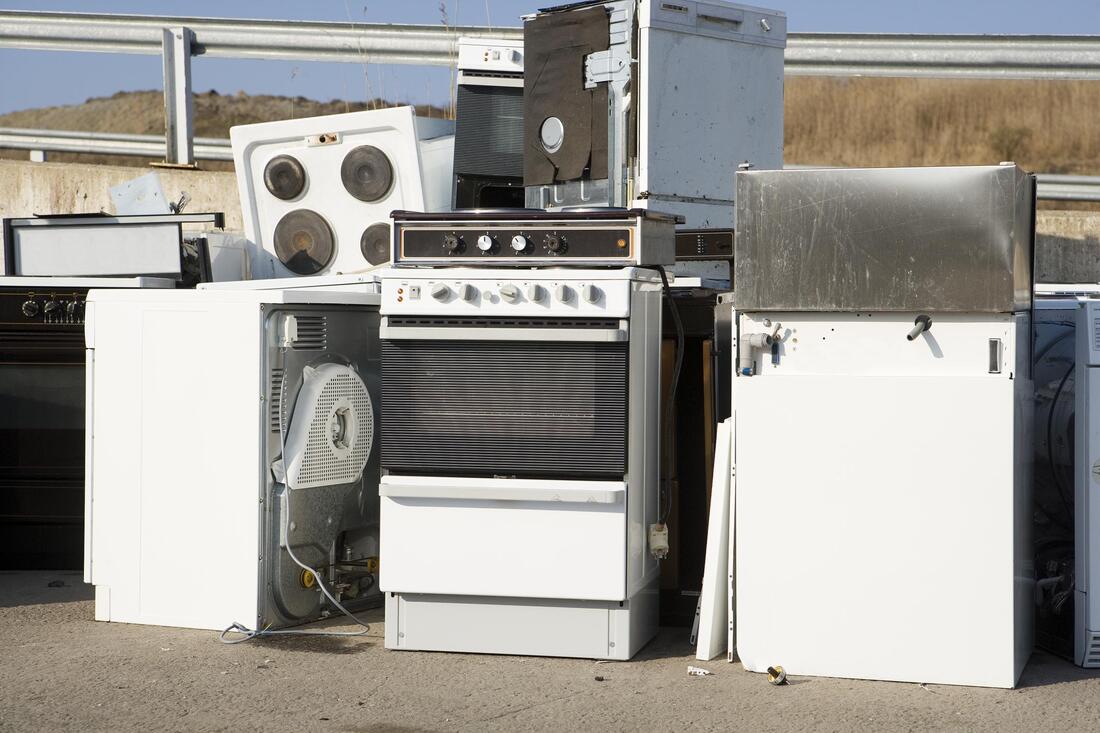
(1046, 126)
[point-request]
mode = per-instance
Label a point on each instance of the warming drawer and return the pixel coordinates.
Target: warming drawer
(504, 537)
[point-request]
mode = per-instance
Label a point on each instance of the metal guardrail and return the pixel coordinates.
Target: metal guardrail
(177, 39)
(944, 56)
(838, 54)
(1052, 187)
(105, 143)
(1056, 187)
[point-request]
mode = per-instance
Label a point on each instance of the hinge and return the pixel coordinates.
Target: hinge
(605, 66)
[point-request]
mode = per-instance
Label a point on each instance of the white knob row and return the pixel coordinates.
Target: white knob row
(441, 292)
(510, 293)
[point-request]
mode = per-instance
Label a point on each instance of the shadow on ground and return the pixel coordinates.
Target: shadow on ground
(38, 587)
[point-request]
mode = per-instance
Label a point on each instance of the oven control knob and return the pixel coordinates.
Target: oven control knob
(520, 243)
(467, 292)
(563, 293)
(440, 291)
(50, 308)
(452, 244)
(509, 292)
(555, 243)
(485, 242)
(535, 293)
(70, 309)
(30, 308)
(590, 293)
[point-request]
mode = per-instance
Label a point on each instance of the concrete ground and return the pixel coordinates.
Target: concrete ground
(60, 670)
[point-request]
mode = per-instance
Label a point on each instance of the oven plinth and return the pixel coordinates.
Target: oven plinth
(522, 626)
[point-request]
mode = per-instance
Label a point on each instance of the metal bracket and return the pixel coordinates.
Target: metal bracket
(607, 66)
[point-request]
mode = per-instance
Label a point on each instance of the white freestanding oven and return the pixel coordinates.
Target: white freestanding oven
(519, 434)
(883, 404)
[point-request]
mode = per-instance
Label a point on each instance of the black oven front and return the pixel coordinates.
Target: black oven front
(42, 378)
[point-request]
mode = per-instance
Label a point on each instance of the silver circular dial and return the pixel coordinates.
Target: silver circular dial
(485, 243)
(519, 242)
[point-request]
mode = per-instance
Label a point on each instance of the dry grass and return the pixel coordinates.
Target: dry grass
(1047, 127)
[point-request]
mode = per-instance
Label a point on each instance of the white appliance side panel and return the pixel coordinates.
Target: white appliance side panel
(645, 418)
(692, 136)
(437, 158)
(1087, 489)
(874, 528)
(176, 525)
(517, 549)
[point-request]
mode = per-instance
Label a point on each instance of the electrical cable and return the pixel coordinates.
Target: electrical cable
(249, 634)
(664, 502)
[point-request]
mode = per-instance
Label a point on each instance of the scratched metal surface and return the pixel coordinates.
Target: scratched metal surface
(956, 239)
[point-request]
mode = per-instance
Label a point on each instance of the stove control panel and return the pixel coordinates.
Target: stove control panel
(22, 307)
(506, 293)
(612, 238)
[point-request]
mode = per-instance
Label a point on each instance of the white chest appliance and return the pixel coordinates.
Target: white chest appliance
(1087, 490)
(883, 441)
(232, 440)
(651, 104)
(316, 193)
(520, 439)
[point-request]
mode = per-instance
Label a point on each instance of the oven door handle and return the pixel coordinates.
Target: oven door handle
(552, 492)
(458, 333)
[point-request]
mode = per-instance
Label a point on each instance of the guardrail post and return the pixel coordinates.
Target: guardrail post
(179, 111)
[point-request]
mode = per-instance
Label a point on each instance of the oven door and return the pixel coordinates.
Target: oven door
(504, 444)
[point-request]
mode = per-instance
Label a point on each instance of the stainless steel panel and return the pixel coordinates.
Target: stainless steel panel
(885, 239)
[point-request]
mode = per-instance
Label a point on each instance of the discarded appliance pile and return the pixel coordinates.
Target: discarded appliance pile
(466, 371)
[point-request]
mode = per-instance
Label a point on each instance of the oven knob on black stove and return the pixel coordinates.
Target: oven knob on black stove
(70, 309)
(520, 243)
(555, 243)
(452, 244)
(485, 243)
(51, 308)
(30, 308)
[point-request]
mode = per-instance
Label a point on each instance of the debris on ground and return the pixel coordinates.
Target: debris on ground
(698, 671)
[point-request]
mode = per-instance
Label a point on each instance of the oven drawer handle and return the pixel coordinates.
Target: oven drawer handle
(457, 333)
(549, 494)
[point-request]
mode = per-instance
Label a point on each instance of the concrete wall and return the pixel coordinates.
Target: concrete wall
(1067, 247)
(73, 188)
(1067, 243)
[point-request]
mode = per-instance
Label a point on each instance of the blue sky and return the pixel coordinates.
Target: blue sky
(43, 78)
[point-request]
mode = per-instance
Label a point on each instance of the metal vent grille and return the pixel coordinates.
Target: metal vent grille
(1092, 651)
(1096, 334)
(431, 321)
(312, 333)
(504, 408)
(275, 400)
(489, 131)
(321, 464)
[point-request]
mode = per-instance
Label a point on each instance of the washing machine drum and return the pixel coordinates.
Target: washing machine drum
(331, 432)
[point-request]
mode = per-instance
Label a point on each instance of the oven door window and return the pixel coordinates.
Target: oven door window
(504, 408)
(41, 465)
